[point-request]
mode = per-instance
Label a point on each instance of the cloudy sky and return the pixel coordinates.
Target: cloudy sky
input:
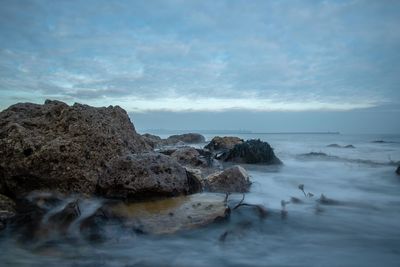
(181, 64)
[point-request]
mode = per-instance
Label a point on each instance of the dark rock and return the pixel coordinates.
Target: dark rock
(223, 143)
(189, 138)
(314, 154)
(7, 210)
(59, 147)
(141, 176)
(233, 179)
(398, 170)
(252, 151)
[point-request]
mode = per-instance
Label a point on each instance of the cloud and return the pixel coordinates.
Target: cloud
(202, 55)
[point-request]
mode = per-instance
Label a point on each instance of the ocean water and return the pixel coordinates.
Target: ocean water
(356, 224)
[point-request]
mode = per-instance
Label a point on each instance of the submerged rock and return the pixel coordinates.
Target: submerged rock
(233, 179)
(252, 151)
(162, 216)
(146, 175)
(59, 147)
(188, 138)
(7, 210)
(223, 143)
(62, 220)
(339, 146)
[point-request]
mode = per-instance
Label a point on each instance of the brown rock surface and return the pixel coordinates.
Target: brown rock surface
(59, 147)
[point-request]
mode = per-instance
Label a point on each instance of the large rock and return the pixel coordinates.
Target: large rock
(233, 179)
(252, 151)
(165, 216)
(223, 143)
(7, 210)
(59, 147)
(189, 138)
(143, 176)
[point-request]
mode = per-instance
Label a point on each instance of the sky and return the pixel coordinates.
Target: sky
(264, 66)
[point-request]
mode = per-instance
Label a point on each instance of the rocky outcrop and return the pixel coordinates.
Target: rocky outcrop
(59, 147)
(223, 143)
(252, 151)
(141, 176)
(233, 179)
(165, 216)
(7, 210)
(188, 138)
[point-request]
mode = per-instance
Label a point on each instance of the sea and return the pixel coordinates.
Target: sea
(336, 206)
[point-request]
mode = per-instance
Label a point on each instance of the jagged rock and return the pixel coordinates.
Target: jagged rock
(223, 143)
(252, 151)
(153, 140)
(165, 216)
(143, 176)
(233, 179)
(189, 138)
(189, 156)
(59, 147)
(7, 210)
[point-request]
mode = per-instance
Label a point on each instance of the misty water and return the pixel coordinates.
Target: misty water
(359, 225)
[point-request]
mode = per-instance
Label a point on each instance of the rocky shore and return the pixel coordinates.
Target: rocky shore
(55, 154)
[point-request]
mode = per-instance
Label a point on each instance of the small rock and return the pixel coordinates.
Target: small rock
(189, 156)
(233, 179)
(398, 170)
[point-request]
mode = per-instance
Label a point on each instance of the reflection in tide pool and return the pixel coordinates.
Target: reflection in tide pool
(355, 224)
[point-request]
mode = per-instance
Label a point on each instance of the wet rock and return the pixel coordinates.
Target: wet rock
(233, 179)
(189, 138)
(223, 143)
(59, 147)
(189, 156)
(165, 216)
(7, 210)
(142, 176)
(252, 151)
